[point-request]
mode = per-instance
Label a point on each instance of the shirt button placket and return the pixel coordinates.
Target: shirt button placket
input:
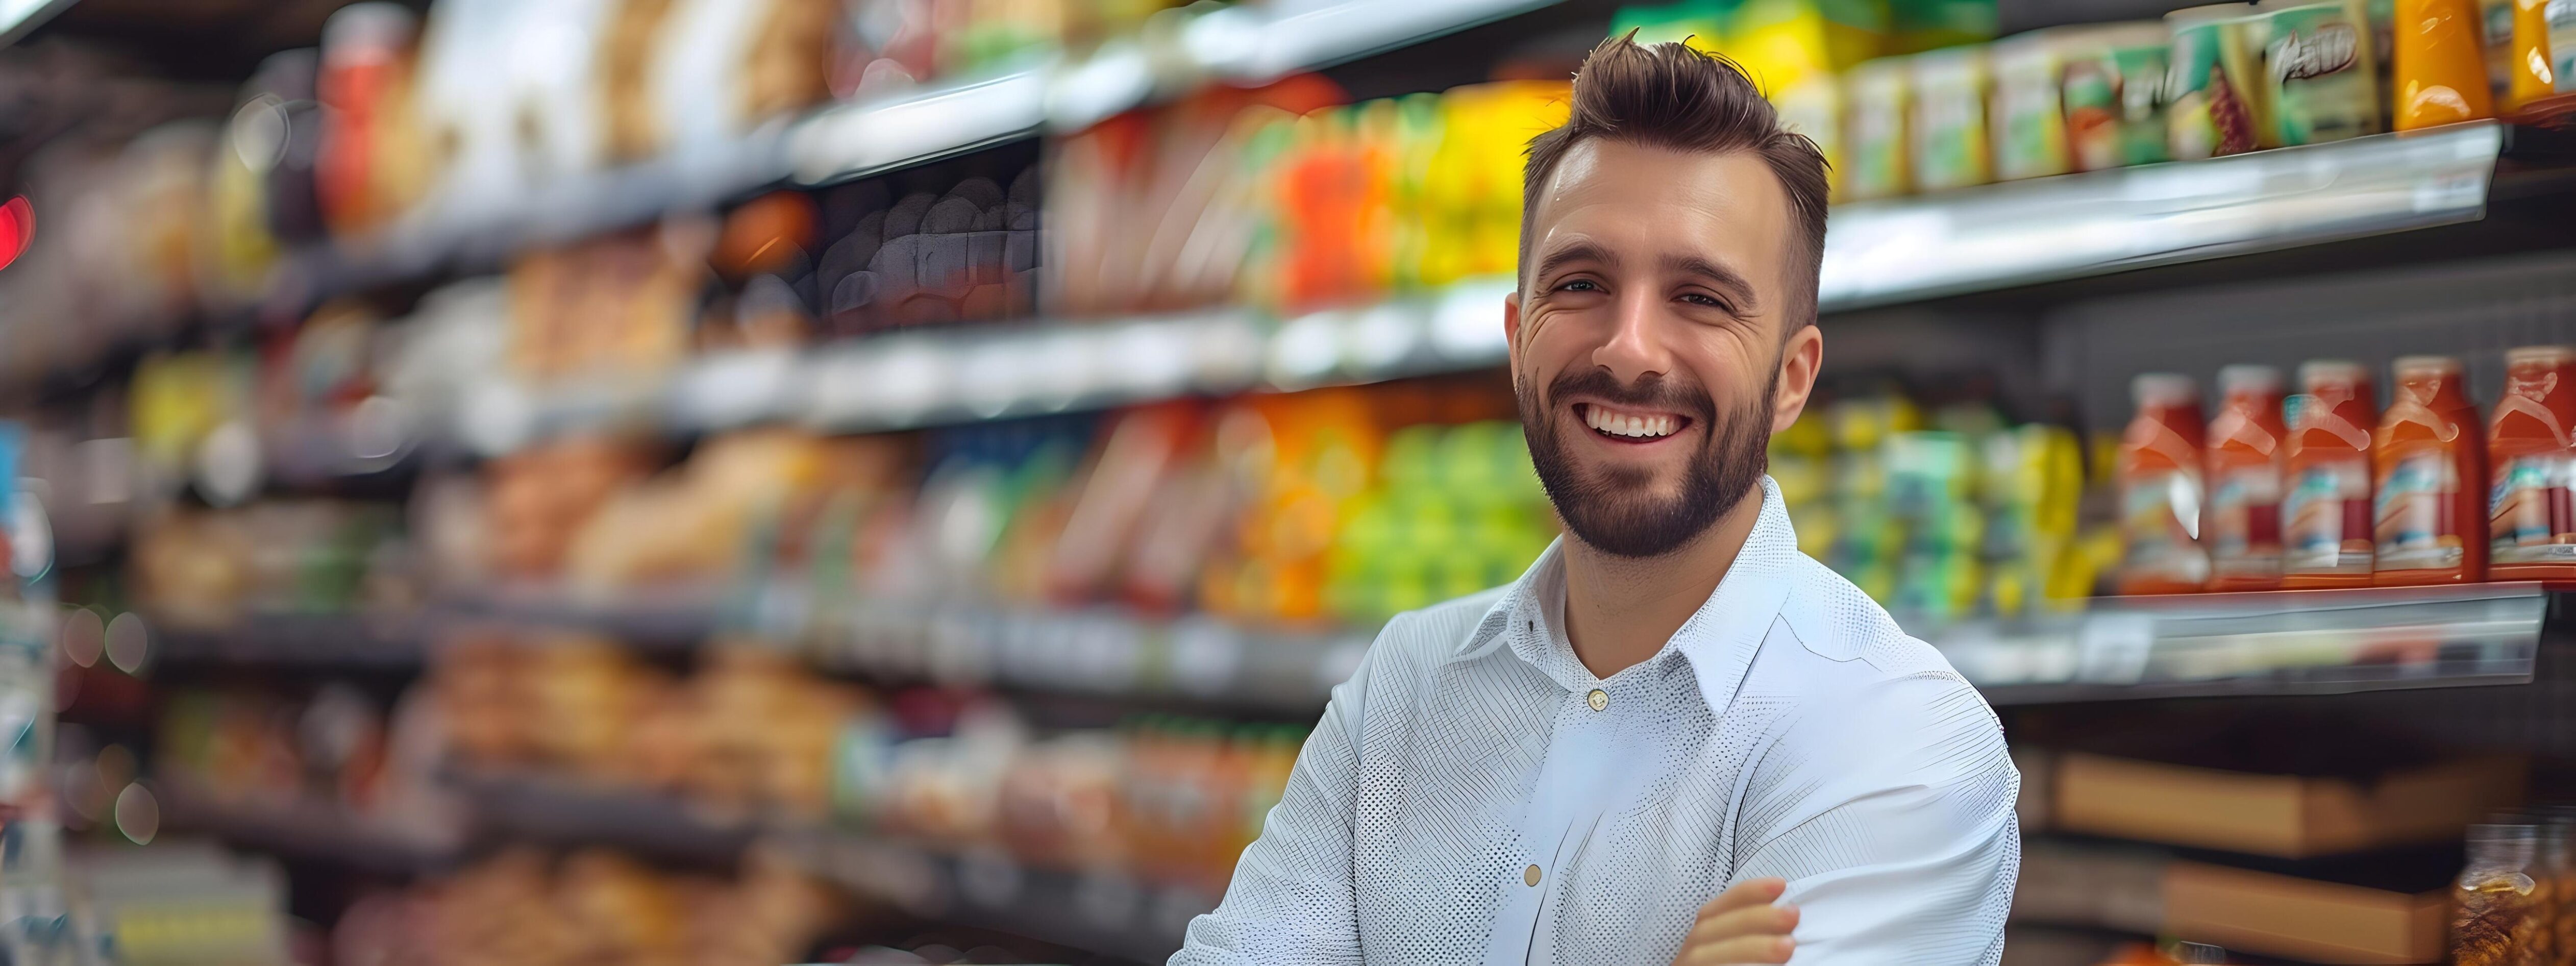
(1598, 699)
(1529, 876)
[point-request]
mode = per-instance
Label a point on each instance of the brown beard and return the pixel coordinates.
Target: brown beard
(1608, 508)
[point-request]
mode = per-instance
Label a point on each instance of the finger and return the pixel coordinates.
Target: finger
(1739, 951)
(1750, 892)
(1754, 921)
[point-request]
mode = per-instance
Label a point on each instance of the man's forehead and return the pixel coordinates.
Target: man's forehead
(1724, 195)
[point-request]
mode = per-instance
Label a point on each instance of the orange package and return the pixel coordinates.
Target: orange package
(2430, 463)
(2531, 518)
(2440, 64)
(2242, 526)
(2325, 516)
(2160, 489)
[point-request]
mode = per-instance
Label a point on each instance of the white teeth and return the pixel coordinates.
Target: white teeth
(1635, 427)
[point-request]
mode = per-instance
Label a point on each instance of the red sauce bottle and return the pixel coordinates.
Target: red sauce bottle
(2325, 513)
(2247, 447)
(2430, 462)
(2160, 489)
(2531, 519)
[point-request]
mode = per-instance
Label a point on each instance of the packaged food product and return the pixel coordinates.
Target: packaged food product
(2247, 446)
(1949, 130)
(2497, 903)
(1814, 107)
(2161, 488)
(2115, 95)
(2030, 124)
(2439, 68)
(2495, 43)
(2531, 438)
(1783, 42)
(2530, 73)
(2430, 465)
(2211, 107)
(2326, 513)
(2561, 21)
(364, 84)
(1878, 114)
(2317, 71)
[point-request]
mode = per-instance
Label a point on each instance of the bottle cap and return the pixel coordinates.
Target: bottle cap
(2245, 377)
(2163, 389)
(2323, 371)
(2425, 366)
(2541, 355)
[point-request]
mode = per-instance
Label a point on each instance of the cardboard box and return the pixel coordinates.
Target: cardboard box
(2277, 915)
(2288, 816)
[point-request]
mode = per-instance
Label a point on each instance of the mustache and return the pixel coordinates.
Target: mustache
(1655, 391)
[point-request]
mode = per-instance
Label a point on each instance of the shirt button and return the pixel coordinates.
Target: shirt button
(1599, 700)
(1530, 876)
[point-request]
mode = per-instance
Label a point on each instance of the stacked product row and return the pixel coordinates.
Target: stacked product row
(2322, 489)
(2212, 80)
(1951, 515)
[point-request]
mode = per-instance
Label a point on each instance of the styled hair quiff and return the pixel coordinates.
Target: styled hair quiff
(1672, 96)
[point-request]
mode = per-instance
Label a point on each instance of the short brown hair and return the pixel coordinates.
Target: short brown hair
(1672, 96)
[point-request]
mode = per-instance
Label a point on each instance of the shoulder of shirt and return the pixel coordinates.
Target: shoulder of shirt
(1439, 631)
(1831, 638)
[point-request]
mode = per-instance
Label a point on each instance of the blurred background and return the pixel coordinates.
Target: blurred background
(892, 481)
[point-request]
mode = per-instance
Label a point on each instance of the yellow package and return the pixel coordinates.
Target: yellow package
(1814, 107)
(1783, 42)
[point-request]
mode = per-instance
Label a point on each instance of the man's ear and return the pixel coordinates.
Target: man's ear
(1512, 329)
(1800, 359)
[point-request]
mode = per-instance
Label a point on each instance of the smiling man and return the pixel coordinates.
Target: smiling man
(1675, 739)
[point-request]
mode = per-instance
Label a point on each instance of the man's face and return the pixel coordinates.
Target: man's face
(1647, 341)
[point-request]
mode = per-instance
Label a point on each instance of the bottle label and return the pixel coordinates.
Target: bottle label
(2160, 517)
(2416, 525)
(2326, 520)
(2530, 512)
(2243, 525)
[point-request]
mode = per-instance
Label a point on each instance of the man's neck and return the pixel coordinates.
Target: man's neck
(1621, 610)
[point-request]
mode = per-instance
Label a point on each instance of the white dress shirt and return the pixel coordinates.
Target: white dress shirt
(1473, 794)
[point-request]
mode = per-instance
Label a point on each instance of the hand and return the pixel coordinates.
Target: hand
(1741, 926)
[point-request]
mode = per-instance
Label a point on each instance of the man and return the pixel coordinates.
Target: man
(1674, 720)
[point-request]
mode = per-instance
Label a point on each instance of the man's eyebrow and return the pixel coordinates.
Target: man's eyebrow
(1570, 254)
(1716, 275)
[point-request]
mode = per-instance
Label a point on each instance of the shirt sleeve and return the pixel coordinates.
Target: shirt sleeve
(1291, 899)
(1891, 817)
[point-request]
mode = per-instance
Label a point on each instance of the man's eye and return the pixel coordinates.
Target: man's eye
(1579, 285)
(1696, 298)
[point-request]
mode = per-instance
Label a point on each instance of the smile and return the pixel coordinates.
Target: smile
(1629, 424)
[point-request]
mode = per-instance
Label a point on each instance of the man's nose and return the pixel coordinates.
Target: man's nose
(1636, 344)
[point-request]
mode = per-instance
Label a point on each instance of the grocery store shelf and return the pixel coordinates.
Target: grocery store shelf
(561, 811)
(482, 224)
(974, 373)
(1101, 912)
(311, 829)
(2275, 643)
(2108, 221)
(1102, 651)
(296, 639)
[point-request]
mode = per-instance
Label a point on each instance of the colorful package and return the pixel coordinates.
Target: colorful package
(1878, 113)
(2029, 121)
(2317, 72)
(2210, 108)
(1950, 148)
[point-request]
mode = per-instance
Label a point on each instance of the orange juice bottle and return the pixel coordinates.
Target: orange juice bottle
(2325, 514)
(2160, 489)
(2531, 519)
(2440, 64)
(2242, 526)
(2430, 463)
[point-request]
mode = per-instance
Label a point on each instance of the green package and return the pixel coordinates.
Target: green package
(2316, 62)
(2209, 110)
(1950, 148)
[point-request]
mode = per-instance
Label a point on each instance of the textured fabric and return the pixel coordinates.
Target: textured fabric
(1789, 729)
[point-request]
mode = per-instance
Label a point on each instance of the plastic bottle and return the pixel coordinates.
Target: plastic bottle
(2325, 512)
(2531, 517)
(2440, 60)
(2430, 476)
(2161, 487)
(2246, 450)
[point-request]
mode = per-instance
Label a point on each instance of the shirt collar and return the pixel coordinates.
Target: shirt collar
(1718, 640)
